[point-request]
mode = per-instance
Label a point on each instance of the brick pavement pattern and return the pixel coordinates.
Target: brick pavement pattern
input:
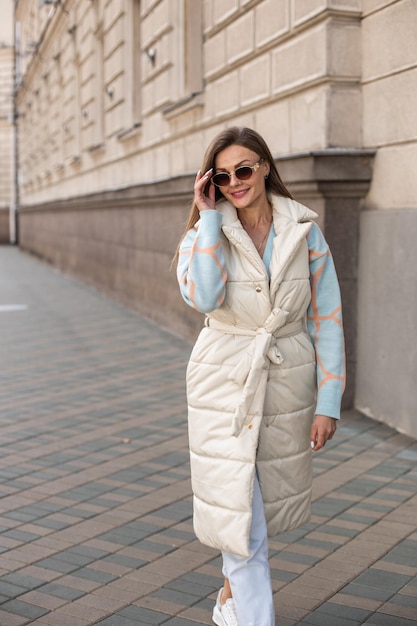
(95, 507)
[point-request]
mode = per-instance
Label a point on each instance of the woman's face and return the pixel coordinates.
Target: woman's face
(243, 194)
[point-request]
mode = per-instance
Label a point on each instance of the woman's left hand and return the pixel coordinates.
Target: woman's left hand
(322, 429)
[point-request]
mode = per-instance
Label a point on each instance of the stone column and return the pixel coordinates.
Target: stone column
(334, 182)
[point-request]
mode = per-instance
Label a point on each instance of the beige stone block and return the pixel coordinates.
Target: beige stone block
(207, 15)
(240, 38)
(209, 104)
(394, 181)
(113, 11)
(147, 98)
(167, 45)
(215, 53)
(177, 157)
(138, 168)
(162, 162)
(117, 91)
(390, 109)
(273, 123)
(147, 33)
(86, 70)
(158, 21)
(255, 80)
(153, 131)
(115, 64)
(344, 49)
(165, 53)
(114, 38)
(165, 90)
(305, 10)
(345, 117)
(194, 148)
(354, 6)
(6, 23)
(226, 94)
(300, 60)
(114, 120)
(222, 9)
(369, 6)
(270, 23)
(389, 40)
(308, 120)
(147, 5)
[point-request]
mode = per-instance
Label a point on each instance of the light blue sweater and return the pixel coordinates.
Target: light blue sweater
(202, 276)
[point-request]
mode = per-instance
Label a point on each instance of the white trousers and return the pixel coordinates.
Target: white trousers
(250, 577)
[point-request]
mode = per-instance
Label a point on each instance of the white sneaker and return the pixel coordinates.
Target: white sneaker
(224, 614)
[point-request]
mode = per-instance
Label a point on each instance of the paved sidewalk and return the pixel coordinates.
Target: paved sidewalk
(95, 507)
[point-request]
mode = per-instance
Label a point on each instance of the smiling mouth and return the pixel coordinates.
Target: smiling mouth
(241, 192)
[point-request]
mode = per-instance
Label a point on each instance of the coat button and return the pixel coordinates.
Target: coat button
(250, 426)
(258, 290)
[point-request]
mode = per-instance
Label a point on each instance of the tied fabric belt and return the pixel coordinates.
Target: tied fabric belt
(252, 369)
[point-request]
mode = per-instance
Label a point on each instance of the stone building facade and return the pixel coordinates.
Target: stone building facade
(119, 98)
(7, 186)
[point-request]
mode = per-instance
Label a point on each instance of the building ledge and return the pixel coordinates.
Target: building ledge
(130, 133)
(183, 105)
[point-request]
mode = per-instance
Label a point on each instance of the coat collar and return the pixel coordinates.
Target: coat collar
(292, 223)
(282, 207)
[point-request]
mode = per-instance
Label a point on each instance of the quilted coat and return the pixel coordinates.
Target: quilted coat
(251, 387)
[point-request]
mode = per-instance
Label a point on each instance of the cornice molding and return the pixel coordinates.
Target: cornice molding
(330, 172)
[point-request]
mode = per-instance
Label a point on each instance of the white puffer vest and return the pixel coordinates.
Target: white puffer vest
(251, 387)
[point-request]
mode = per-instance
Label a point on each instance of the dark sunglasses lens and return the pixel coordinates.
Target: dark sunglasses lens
(221, 179)
(244, 172)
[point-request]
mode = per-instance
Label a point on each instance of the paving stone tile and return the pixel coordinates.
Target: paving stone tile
(180, 621)
(11, 619)
(143, 615)
(126, 561)
(22, 580)
(403, 601)
(388, 580)
(57, 565)
(294, 557)
(95, 507)
(24, 609)
(10, 590)
(58, 618)
(60, 591)
(42, 600)
(338, 612)
(119, 620)
(379, 619)
(75, 558)
(97, 576)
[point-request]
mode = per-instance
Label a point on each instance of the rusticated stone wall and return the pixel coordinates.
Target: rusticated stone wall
(123, 242)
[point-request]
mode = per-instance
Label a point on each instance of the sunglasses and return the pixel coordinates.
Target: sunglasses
(222, 179)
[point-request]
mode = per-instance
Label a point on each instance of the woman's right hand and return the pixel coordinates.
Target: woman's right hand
(203, 202)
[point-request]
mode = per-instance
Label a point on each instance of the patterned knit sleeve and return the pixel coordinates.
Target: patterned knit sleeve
(201, 269)
(324, 324)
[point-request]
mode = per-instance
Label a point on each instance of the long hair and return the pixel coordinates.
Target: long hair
(239, 136)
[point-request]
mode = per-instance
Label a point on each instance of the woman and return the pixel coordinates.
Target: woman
(266, 375)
